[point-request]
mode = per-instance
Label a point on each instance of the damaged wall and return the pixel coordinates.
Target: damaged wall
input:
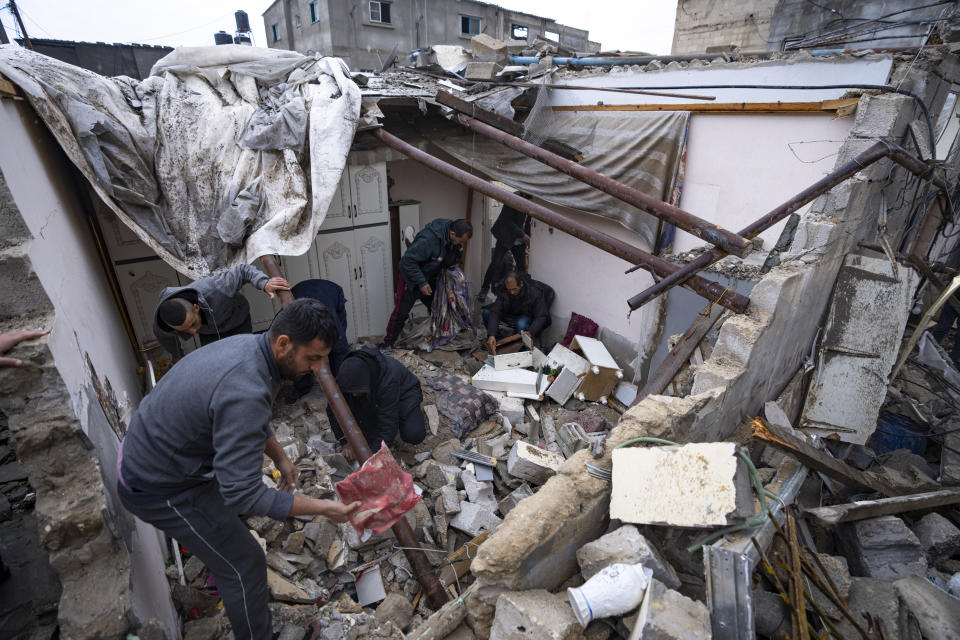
(54, 279)
(756, 355)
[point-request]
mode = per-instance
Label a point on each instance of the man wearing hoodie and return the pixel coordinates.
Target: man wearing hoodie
(191, 462)
(210, 307)
(384, 397)
(436, 248)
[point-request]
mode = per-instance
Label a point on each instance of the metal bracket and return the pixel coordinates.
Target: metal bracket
(729, 593)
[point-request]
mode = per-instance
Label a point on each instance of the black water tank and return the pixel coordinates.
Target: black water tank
(242, 39)
(243, 22)
(222, 37)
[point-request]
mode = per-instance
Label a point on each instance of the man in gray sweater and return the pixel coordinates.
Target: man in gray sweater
(191, 462)
(210, 307)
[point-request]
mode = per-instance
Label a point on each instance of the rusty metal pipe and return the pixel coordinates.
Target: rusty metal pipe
(436, 595)
(614, 246)
(715, 235)
(881, 149)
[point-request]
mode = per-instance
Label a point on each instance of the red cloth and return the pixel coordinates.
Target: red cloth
(384, 490)
(579, 326)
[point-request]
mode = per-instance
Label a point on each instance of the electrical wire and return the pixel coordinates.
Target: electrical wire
(35, 23)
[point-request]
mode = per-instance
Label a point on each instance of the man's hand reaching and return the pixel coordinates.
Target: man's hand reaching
(288, 476)
(492, 345)
(276, 284)
(426, 290)
(338, 511)
(10, 340)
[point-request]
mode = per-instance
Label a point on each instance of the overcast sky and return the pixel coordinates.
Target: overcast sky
(639, 25)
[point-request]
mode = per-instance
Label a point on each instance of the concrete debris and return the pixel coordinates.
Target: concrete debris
(514, 498)
(525, 615)
(511, 409)
(449, 498)
(433, 417)
(666, 614)
(488, 48)
(940, 537)
(937, 613)
(625, 545)
(479, 493)
(397, 609)
(839, 575)
(474, 518)
(695, 485)
(531, 463)
(882, 548)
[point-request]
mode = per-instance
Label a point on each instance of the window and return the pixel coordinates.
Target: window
(518, 32)
(296, 21)
(313, 11)
(275, 30)
(469, 26)
(380, 12)
(550, 35)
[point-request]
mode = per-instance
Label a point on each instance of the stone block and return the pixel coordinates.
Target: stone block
(474, 519)
(628, 546)
(511, 409)
(488, 48)
(836, 567)
(433, 418)
(936, 612)
(876, 597)
(451, 501)
(531, 463)
(482, 71)
(513, 498)
(479, 493)
(523, 615)
(443, 452)
(882, 548)
(23, 294)
(939, 537)
(397, 609)
(668, 615)
(434, 476)
(881, 116)
(192, 568)
(694, 485)
(294, 542)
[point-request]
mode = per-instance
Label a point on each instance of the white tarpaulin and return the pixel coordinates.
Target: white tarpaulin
(206, 160)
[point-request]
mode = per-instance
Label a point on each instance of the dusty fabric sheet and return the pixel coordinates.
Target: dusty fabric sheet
(451, 313)
(640, 149)
(223, 154)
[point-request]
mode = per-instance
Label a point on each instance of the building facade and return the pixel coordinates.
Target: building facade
(363, 33)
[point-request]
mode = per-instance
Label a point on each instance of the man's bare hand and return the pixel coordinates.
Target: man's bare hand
(10, 340)
(276, 284)
(288, 476)
(526, 240)
(426, 290)
(338, 511)
(349, 453)
(492, 345)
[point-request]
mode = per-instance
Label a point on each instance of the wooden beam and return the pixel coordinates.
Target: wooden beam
(863, 509)
(458, 562)
(723, 107)
(821, 461)
(7, 88)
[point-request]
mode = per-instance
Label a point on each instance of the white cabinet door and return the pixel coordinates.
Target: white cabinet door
(299, 268)
(368, 191)
(337, 257)
(339, 213)
(140, 285)
(376, 278)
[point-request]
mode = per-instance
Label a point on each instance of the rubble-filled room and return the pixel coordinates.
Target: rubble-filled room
(514, 337)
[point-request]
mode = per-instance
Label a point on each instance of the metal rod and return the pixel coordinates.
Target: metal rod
(614, 246)
(881, 149)
(715, 235)
(436, 595)
(23, 30)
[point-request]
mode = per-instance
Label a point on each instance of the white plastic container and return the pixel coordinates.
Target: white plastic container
(615, 590)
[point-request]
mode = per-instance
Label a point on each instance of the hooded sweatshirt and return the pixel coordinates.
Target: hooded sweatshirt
(382, 382)
(430, 253)
(208, 420)
(222, 307)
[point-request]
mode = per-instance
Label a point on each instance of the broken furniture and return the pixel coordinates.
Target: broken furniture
(604, 373)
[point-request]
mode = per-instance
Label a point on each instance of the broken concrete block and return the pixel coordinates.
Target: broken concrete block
(522, 615)
(694, 485)
(474, 519)
(882, 548)
(771, 615)
(571, 438)
(668, 615)
(278, 564)
(451, 502)
(433, 418)
(511, 409)
(877, 597)
(397, 609)
(531, 463)
(294, 542)
(939, 537)
(443, 452)
(285, 591)
(937, 613)
(201, 629)
(513, 498)
(488, 48)
(434, 477)
(836, 567)
(625, 545)
(192, 568)
(480, 493)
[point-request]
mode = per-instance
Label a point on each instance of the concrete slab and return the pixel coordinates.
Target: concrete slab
(625, 545)
(867, 316)
(531, 463)
(523, 615)
(882, 548)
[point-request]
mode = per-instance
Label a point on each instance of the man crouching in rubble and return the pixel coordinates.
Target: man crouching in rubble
(191, 462)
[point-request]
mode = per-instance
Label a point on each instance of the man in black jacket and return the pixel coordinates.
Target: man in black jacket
(522, 306)
(437, 247)
(212, 307)
(384, 397)
(512, 231)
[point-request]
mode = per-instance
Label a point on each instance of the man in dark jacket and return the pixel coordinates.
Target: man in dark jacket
(437, 247)
(512, 232)
(330, 294)
(191, 462)
(384, 397)
(212, 307)
(522, 306)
